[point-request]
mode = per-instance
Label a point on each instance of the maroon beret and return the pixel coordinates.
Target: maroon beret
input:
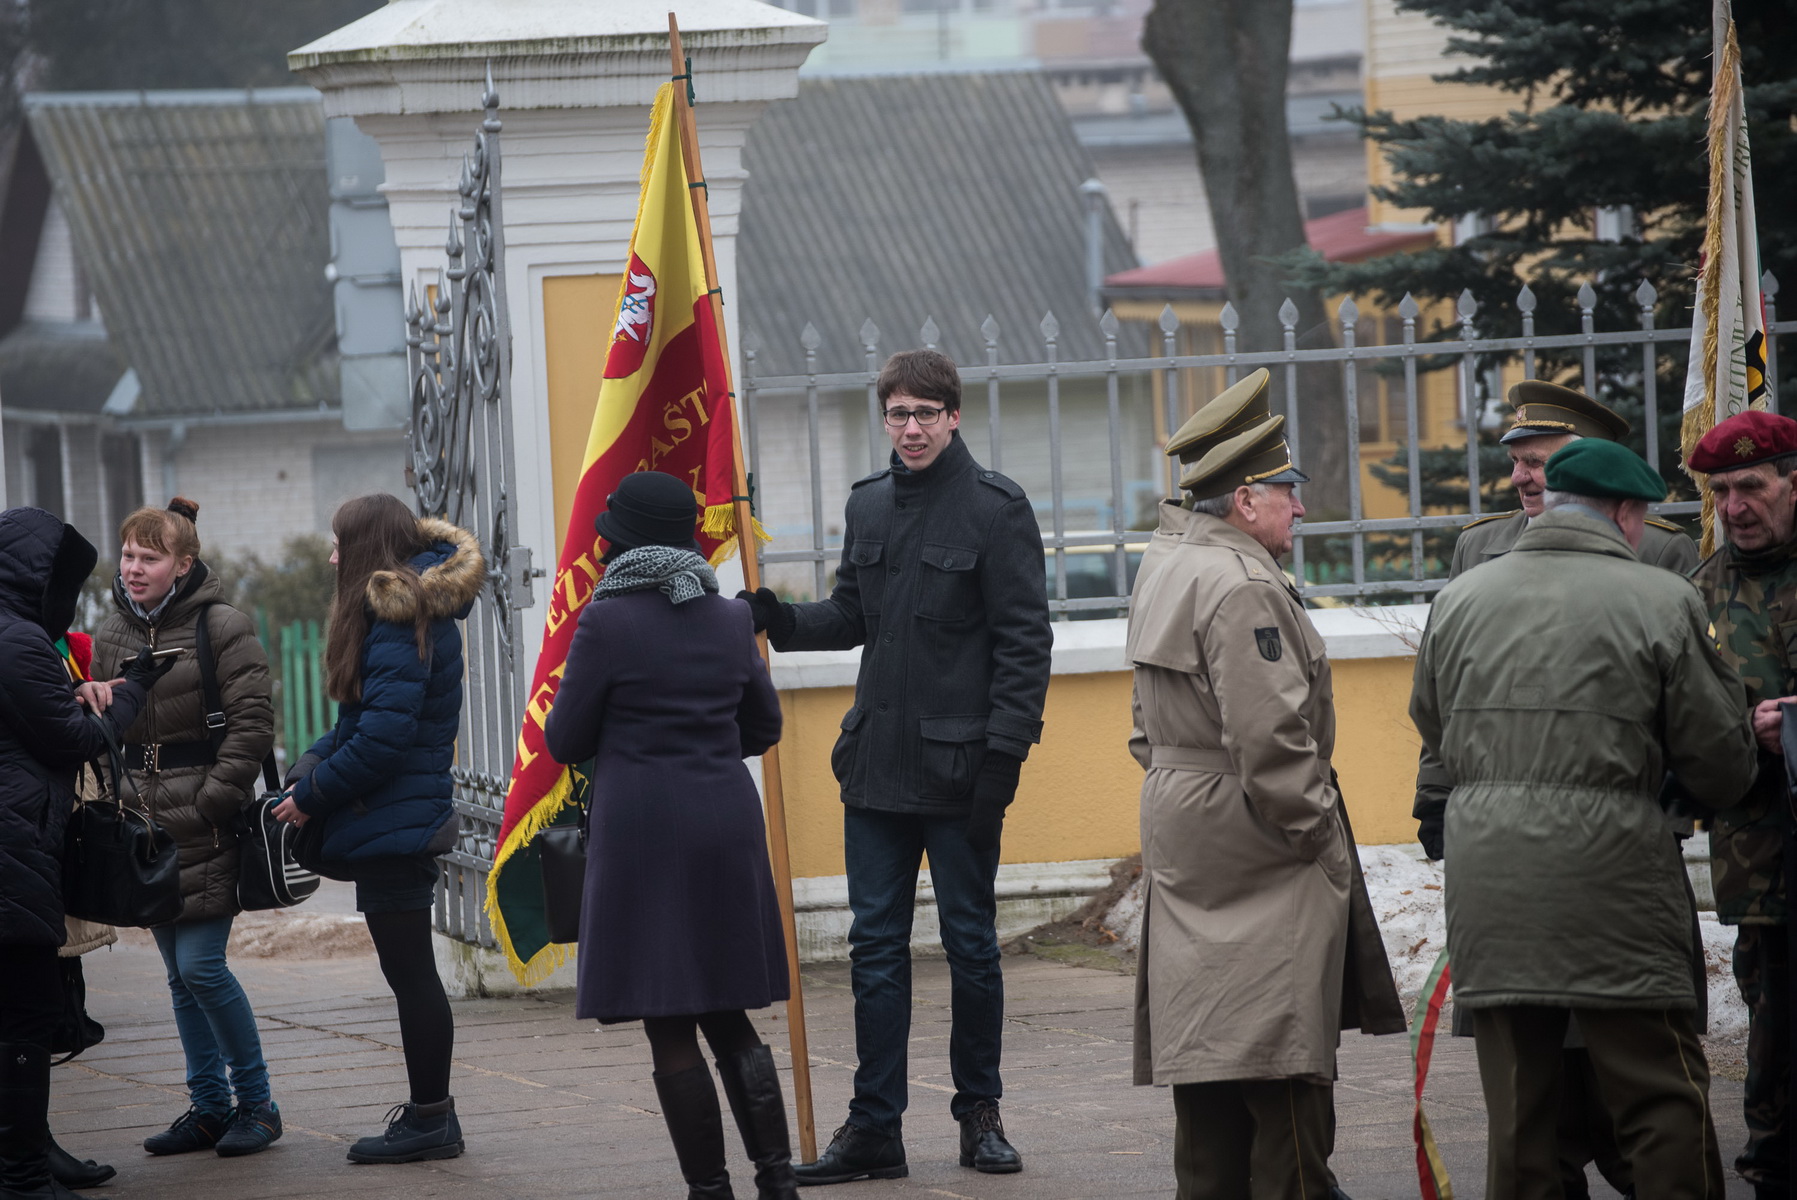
(1742, 440)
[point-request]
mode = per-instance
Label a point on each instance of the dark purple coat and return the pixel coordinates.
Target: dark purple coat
(679, 915)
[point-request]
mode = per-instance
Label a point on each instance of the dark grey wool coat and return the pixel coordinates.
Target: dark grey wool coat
(45, 735)
(941, 581)
(679, 915)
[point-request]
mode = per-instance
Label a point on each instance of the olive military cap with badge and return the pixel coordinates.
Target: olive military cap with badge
(1256, 455)
(1233, 441)
(1236, 409)
(1547, 409)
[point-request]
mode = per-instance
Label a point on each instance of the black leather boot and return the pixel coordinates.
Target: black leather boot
(983, 1144)
(855, 1153)
(25, 1125)
(689, 1104)
(753, 1087)
(74, 1172)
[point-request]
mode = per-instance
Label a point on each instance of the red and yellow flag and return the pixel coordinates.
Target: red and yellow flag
(664, 405)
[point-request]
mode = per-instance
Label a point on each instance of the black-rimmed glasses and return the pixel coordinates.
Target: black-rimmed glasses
(899, 417)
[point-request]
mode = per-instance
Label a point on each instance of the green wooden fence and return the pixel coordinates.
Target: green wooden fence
(303, 709)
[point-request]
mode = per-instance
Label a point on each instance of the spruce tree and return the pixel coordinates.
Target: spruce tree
(1611, 101)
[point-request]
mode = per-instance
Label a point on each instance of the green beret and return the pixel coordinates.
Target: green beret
(1592, 467)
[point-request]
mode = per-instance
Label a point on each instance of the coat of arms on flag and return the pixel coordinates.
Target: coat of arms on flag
(636, 321)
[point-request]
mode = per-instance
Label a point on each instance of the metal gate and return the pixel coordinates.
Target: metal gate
(462, 467)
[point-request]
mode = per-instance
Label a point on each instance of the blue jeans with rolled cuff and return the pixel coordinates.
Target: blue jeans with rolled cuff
(213, 1016)
(884, 851)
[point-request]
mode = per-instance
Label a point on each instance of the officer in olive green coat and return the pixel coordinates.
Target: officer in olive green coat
(1548, 417)
(1749, 587)
(1564, 897)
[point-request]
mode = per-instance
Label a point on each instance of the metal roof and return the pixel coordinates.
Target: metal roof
(62, 366)
(200, 221)
(902, 198)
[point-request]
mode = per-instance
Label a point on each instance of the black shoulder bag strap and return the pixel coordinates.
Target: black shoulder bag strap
(215, 701)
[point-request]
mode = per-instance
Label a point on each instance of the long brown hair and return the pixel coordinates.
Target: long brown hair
(374, 534)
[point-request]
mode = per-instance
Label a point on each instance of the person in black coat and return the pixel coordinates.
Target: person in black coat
(679, 925)
(941, 587)
(44, 738)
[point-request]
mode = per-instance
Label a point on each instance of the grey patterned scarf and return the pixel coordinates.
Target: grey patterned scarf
(682, 574)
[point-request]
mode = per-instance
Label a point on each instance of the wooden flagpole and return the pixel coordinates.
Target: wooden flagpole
(746, 549)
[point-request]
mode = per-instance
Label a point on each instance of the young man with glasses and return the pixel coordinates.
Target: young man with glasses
(941, 584)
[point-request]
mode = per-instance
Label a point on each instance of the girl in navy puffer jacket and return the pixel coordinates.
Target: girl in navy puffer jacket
(380, 780)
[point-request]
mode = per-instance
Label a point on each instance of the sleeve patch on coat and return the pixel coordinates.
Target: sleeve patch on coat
(1268, 641)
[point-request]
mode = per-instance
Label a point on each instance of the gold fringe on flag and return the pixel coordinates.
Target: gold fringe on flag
(720, 522)
(541, 815)
(1700, 418)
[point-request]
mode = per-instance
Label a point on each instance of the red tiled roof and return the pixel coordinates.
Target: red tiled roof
(1338, 237)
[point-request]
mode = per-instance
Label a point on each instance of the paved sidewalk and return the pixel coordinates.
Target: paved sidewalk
(552, 1107)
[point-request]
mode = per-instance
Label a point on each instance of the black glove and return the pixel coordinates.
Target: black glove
(1428, 832)
(146, 669)
(771, 614)
(993, 790)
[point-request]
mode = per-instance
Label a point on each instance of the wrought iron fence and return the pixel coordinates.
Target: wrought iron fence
(462, 466)
(1359, 556)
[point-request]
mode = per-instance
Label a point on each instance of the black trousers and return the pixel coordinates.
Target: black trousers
(31, 996)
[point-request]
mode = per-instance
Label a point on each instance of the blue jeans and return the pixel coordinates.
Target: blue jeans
(217, 1027)
(884, 852)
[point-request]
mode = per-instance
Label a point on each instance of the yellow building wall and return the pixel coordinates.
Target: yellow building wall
(577, 312)
(1080, 789)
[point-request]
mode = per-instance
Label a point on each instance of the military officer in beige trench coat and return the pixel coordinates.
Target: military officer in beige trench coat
(1248, 862)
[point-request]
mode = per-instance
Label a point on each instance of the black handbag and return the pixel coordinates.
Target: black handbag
(562, 856)
(75, 1031)
(118, 866)
(269, 871)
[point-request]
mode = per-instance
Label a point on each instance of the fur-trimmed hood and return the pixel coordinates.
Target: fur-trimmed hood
(452, 572)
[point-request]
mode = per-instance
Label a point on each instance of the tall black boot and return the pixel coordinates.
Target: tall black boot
(689, 1104)
(754, 1090)
(74, 1172)
(25, 1125)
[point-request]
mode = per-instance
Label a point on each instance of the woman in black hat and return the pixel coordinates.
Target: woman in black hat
(679, 925)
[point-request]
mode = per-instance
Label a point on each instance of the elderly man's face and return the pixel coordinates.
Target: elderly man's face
(1266, 512)
(1528, 468)
(1756, 506)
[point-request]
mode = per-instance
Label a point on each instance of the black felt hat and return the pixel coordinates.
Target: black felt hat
(649, 508)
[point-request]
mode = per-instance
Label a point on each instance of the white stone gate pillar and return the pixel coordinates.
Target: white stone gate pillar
(575, 80)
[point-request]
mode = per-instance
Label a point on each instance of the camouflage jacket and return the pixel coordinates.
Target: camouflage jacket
(1752, 602)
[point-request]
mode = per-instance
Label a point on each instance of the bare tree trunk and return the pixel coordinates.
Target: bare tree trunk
(1225, 62)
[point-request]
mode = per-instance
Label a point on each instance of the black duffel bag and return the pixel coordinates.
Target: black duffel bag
(269, 871)
(118, 866)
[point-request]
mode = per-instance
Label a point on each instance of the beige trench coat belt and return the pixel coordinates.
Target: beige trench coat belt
(1190, 758)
